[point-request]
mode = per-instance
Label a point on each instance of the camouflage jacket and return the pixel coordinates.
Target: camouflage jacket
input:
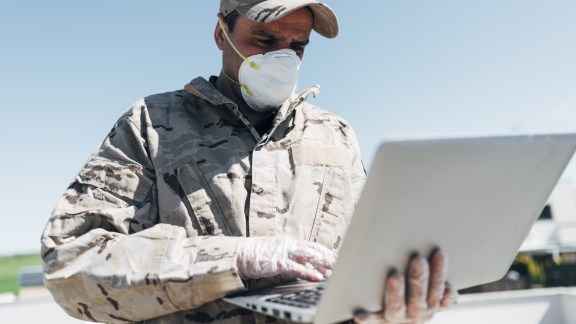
(148, 230)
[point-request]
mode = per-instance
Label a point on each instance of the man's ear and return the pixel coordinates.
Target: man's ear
(219, 34)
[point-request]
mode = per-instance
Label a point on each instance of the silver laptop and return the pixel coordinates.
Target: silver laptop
(475, 197)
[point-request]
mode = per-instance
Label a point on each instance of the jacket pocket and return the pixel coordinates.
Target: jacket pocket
(331, 217)
(202, 201)
(332, 209)
(118, 177)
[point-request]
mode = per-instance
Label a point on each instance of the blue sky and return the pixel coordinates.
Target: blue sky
(69, 69)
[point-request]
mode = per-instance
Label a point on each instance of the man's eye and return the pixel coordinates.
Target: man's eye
(267, 42)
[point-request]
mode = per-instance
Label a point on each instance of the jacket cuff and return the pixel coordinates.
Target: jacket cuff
(215, 273)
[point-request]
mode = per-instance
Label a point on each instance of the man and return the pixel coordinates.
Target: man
(229, 183)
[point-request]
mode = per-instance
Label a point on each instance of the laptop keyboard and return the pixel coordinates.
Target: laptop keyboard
(303, 299)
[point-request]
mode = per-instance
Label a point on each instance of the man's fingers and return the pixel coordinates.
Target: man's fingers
(394, 298)
(426, 292)
(438, 271)
(319, 254)
(363, 317)
(418, 275)
(450, 297)
(306, 272)
(322, 259)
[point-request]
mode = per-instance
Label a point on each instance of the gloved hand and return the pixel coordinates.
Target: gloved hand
(416, 298)
(268, 256)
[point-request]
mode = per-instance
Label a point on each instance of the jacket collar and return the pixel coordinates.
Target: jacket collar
(206, 90)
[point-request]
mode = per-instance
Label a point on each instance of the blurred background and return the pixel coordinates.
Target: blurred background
(69, 69)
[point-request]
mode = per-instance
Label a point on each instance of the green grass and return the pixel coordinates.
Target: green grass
(10, 267)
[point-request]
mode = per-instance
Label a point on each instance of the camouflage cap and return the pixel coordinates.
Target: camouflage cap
(325, 21)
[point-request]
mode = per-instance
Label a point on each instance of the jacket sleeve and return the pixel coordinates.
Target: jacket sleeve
(358, 170)
(106, 258)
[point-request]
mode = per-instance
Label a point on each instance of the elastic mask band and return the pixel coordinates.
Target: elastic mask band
(247, 60)
(248, 91)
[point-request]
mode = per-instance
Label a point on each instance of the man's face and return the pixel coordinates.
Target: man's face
(250, 38)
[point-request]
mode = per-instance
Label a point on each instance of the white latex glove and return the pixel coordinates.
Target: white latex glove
(416, 297)
(268, 256)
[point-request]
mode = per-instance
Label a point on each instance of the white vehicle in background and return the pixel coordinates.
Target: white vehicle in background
(555, 231)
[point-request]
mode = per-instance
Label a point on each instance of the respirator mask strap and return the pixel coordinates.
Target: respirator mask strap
(251, 63)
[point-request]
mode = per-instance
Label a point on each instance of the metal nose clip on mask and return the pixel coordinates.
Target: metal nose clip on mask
(266, 80)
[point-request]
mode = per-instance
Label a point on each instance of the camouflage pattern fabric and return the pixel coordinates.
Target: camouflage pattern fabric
(148, 230)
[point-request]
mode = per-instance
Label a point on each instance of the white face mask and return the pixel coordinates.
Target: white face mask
(267, 80)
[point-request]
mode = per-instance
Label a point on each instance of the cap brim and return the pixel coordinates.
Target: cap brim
(325, 21)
